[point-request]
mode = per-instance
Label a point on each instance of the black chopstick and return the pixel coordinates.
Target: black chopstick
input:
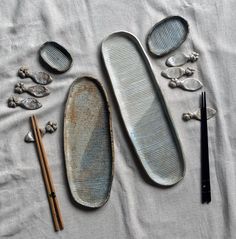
(205, 174)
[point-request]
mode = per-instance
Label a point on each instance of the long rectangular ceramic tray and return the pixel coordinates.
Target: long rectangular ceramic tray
(88, 144)
(143, 108)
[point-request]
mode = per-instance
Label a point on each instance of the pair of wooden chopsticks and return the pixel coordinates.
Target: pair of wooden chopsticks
(205, 174)
(55, 210)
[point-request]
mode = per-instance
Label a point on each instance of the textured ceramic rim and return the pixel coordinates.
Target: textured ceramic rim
(102, 90)
(165, 108)
(173, 48)
(62, 49)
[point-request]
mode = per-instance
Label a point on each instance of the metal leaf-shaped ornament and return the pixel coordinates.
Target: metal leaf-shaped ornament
(27, 103)
(197, 114)
(181, 59)
(189, 84)
(42, 78)
(36, 90)
(177, 72)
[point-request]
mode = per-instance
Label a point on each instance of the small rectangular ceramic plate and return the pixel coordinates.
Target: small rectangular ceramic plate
(143, 109)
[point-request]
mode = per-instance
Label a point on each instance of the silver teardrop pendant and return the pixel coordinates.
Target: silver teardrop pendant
(177, 72)
(197, 114)
(26, 103)
(181, 59)
(189, 84)
(41, 78)
(36, 90)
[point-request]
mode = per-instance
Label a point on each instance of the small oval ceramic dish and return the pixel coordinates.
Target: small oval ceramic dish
(55, 56)
(88, 144)
(143, 109)
(167, 35)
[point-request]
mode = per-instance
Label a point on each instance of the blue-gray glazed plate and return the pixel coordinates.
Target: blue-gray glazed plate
(143, 109)
(88, 145)
(167, 35)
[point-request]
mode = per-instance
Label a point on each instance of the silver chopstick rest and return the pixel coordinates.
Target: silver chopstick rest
(36, 90)
(177, 72)
(181, 59)
(197, 114)
(41, 78)
(26, 103)
(50, 128)
(189, 84)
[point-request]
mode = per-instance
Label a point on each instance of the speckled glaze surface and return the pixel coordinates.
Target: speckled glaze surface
(88, 144)
(167, 35)
(143, 109)
(55, 57)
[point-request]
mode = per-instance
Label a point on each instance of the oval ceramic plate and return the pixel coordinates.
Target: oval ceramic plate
(143, 109)
(88, 143)
(167, 35)
(55, 56)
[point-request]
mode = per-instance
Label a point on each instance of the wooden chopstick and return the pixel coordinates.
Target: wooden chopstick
(45, 177)
(55, 210)
(53, 192)
(205, 172)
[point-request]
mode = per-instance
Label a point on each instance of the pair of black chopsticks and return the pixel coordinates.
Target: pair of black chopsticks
(205, 174)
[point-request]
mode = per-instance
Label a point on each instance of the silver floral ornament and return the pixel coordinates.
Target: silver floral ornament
(26, 103)
(41, 78)
(197, 114)
(181, 59)
(188, 84)
(177, 72)
(36, 90)
(50, 128)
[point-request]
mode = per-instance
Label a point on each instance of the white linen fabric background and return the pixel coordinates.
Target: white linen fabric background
(136, 208)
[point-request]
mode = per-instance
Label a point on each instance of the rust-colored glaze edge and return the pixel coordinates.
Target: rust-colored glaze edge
(102, 90)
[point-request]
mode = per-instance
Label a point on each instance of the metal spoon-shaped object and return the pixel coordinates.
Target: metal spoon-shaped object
(181, 59)
(26, 103)
(41, 78)
(197, 114)
(189, 84)
(50, 128)
(177, 72)
(36, 90)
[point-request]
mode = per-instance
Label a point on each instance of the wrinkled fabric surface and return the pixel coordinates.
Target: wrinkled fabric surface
(136, 208)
